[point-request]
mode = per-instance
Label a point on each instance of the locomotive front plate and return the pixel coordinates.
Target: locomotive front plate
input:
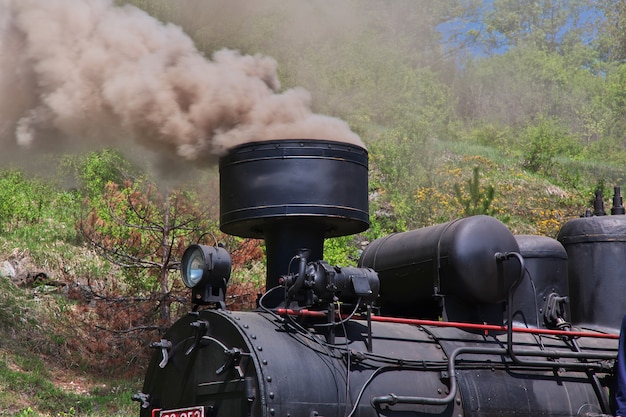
(183, 412)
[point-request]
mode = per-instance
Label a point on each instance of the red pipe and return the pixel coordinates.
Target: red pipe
(473, 326)
(300, 313)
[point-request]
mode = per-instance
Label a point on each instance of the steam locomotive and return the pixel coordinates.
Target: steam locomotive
(458, 319)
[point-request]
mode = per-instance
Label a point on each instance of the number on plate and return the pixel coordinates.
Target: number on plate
(184, 412)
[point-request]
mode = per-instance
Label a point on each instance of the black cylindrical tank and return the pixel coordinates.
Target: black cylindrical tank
(543, 289)
(293, 193)
(248, 364)
(454, 258)
(596, 249)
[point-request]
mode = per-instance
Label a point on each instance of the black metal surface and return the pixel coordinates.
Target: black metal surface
(293, 193)
(492, 384)
(194, 357)
(596, 248)
(546, 274)
(292, 374)
(324, 182)
(455, 258)
(250, 364)
(528, 393)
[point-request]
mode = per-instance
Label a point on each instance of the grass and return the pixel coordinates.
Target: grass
(30, 387)
(34, 381)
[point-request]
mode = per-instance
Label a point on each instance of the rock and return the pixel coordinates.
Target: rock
(7, 270)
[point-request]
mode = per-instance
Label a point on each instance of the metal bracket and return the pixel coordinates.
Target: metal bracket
(202, 328)
(233, 358)
(165, 346)
(142, 398)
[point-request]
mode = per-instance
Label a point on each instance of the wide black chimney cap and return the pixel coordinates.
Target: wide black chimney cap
(301, 181)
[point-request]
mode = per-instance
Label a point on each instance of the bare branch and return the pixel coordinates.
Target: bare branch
(129, 330)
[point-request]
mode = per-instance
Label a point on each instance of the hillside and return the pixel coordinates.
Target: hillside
(113, 115)
(69, 347)
(44, 368)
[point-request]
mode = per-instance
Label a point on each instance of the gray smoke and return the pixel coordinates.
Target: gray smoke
(79, 73)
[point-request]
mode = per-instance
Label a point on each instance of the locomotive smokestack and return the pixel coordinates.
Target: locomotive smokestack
(293, 193)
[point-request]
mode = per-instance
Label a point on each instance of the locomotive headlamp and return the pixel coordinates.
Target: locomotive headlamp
(193, 265)
(206, 270)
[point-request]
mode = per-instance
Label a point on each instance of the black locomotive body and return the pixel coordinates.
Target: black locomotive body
(458, 319)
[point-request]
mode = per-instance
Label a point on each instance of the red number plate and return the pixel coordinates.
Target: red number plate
(184, 412)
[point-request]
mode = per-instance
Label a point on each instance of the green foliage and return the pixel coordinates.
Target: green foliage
(525, 85)
(546, 25)
(23, 201)
(47, 399)
(476, 199)
(34, 212)
(43, 393)
(26, 413)
(543, 142)
(341, 251)
(492, 135)
(11, 306)
(424, 107)
(93, 171)
(396, 170)
(610, 41)
(614, 100)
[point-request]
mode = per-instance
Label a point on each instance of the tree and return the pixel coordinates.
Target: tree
(94, 170)
(549, 25)
(525, 84)
(611, 27)
(144, 230)
(477, 199)
(22, 200)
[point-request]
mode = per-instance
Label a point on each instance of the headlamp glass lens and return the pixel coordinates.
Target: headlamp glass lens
(194, 268)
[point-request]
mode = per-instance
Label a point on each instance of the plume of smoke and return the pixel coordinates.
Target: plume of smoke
(77, 73)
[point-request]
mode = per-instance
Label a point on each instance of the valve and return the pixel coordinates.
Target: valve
(554, 312)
